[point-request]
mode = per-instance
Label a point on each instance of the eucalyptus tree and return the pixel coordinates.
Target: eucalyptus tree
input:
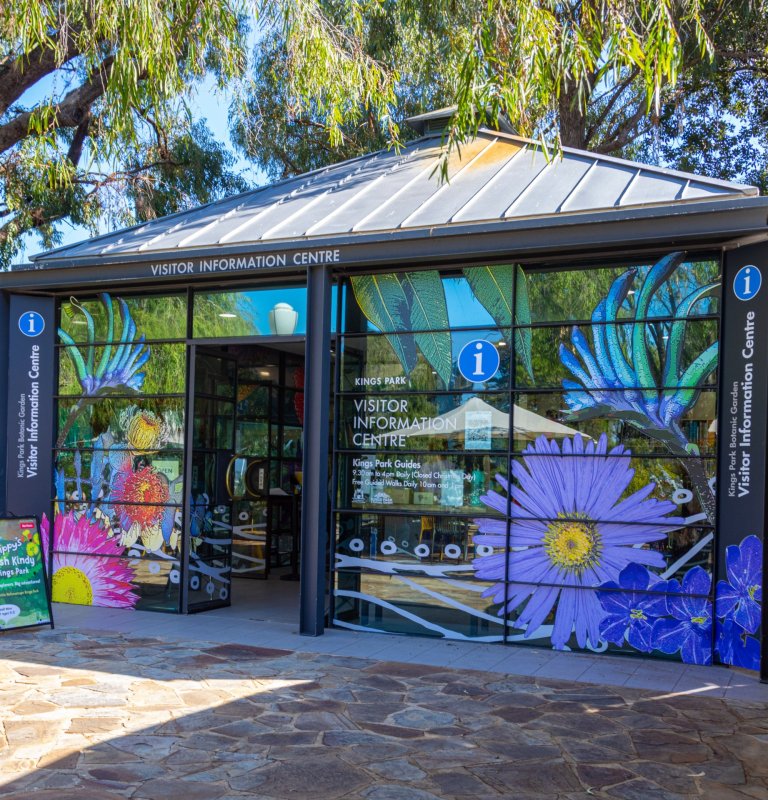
(95, 123)
(336, 78)
(93, 119)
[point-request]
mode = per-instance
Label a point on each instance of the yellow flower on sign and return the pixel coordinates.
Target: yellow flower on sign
(145, 431)
(32, 548)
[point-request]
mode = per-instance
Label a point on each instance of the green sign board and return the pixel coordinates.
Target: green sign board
(24, 601)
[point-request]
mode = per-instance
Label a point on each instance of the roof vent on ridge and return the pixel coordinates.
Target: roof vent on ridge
(437, 121)
(433, 121)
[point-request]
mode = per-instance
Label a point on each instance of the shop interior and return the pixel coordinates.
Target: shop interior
(246, 479)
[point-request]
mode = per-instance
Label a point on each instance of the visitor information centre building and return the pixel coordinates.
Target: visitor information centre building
(524, 405)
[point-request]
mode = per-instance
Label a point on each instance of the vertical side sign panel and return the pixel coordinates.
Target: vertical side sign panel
(741, 491)
(29, 441)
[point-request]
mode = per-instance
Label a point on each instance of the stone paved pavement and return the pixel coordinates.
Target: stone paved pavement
(246, 625)
(100, 716)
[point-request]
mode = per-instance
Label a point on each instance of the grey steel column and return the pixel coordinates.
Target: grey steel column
(4, 344)
(314, 495)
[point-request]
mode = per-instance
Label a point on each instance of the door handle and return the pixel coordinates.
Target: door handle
(261, 487)
(228, 476)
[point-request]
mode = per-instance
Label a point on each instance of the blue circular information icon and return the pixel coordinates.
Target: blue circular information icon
(747, 282)
(31, 323)
(478, 361)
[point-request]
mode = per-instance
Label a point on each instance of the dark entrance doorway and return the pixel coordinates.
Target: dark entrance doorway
(244, 470)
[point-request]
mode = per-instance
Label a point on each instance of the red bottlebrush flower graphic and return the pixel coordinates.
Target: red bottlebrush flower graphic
(144, 486)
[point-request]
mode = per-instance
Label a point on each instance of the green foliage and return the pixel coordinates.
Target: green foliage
(95, 128)
(492, 286)
(523, 317)
(682, 83)
(192, 169)
(715, 121)
(93, 121)
(391, 59)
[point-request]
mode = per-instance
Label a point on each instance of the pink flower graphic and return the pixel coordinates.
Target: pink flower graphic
(81, 573)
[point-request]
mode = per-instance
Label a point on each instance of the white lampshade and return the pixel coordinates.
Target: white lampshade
(283, 319)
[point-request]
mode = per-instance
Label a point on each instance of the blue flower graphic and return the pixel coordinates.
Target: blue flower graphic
(570, 532)
(632, 609)
(739, 597)
(690, 628)
(119, 367)
(615, 377)
(733, 646)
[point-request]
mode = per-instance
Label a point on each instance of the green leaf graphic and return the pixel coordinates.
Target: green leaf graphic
(673, 362)
(429, 314)
(523, 336)
(492, 286)
(382, 299)
(656, 277)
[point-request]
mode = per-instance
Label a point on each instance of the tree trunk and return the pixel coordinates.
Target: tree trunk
(573, 124)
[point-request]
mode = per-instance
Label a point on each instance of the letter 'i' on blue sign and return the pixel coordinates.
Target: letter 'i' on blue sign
(31, 323)
(478, 361)
(747, 282)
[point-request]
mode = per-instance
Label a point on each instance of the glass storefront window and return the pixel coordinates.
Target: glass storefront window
(596, 473)
(155, 317)
(144, 367)
(418, 482)
(429, 422)
(571, 295)
(419, 362)
(143, 424)
(547, 413)
(278, 311)
(609, 355)
(118, 491)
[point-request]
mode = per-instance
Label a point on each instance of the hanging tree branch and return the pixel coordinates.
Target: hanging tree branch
(69, 113)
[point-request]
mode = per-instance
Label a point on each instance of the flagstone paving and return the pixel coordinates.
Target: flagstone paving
(101, 716)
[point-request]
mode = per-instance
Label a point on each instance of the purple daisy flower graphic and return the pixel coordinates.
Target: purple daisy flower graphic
(571, 531)
(690, 628)
(633, 604)
(739, 597)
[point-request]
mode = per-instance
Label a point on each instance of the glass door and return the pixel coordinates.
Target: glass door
(249, 477)
(211, 468)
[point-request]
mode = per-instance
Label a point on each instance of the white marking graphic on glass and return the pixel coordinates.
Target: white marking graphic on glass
(681, 496)
(449, 601)
(448, 634)
(686, 557)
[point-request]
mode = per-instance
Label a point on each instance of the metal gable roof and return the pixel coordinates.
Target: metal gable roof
(495, 177)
